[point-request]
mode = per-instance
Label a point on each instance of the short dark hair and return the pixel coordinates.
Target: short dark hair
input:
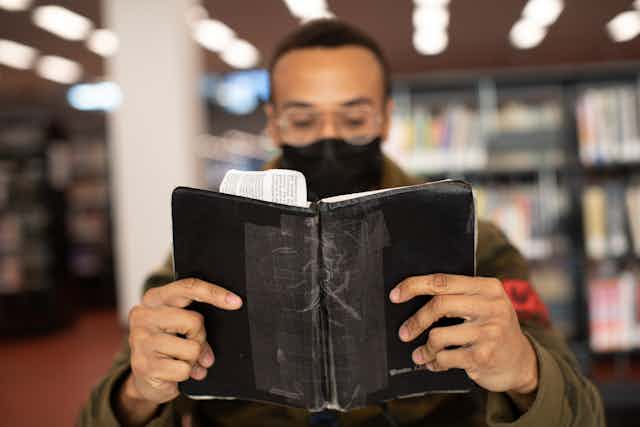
(329, 33)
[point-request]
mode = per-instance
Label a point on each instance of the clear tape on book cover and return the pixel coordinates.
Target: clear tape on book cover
(355, 324)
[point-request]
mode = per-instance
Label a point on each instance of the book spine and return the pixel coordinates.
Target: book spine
(328, 378)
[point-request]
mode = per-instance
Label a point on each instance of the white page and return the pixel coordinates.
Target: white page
(284, 186)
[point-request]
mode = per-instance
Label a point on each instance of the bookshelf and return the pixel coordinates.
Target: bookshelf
(29, 297)
(559, 171)
(55, 251)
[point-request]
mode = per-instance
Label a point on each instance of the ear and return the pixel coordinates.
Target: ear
(386, 118)
(272, 128)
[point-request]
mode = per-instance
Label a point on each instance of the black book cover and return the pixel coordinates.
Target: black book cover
(317, 329)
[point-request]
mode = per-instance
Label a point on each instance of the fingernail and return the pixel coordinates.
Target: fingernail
(404, 333)
(233, 300)
(418, 358)
(207, 360)
(395, 295)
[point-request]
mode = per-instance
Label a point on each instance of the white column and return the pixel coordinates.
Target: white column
(151, 134)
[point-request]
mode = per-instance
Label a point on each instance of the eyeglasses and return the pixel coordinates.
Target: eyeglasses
(357, 125)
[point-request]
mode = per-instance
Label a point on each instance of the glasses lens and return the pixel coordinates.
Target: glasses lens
(356, 125)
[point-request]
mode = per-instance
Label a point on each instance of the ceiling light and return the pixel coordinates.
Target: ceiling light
(430, 17)
(240, 54)
(430, 41)
(213, 35)
(543, 12)
(325, 14)
(308, 9)
(16, 55)
(103, 42)
(625, 26)
(102, 96)
(15, 5)
(62, 22)
(431, 3)
(526, 34)
(58, 69)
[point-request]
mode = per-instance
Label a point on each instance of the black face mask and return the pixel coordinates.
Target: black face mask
(333, 166)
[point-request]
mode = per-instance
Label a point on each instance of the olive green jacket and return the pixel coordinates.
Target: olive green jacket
(564, 397)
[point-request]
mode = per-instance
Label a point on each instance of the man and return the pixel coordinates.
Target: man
(329, 112)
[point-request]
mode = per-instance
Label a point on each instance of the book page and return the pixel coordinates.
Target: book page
(283, 186)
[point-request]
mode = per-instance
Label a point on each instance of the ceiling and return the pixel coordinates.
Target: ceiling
(478, 37)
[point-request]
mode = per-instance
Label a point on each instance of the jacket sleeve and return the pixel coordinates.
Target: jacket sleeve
(564, 396)
(98, 410)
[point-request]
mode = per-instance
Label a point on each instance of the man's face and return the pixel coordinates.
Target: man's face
(333, 88)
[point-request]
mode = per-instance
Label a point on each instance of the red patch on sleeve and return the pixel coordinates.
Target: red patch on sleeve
(526, 301)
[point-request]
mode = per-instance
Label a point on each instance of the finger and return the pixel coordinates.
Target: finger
(182, 292)
(439, 284)
(465, 334)
(198, 372)
(449, 359)
(177, 348)
(464, 306)
(171, 370)
(172, 320)
(206, 358)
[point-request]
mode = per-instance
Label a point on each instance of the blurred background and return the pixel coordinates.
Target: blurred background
(105, 106)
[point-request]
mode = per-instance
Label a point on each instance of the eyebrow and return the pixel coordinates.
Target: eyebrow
(351, 103)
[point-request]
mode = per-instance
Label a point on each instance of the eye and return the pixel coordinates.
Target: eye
(302, 123)
(354, 120)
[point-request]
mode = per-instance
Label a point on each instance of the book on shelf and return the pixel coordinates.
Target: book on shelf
(425, 139)
(529, 214)
(614, 312)
(456, 137)
(606, 208)
(633, 210)
(328, 268)
(608, 129)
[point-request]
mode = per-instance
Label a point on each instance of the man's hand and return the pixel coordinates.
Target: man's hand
(159, 358)
(494, 352)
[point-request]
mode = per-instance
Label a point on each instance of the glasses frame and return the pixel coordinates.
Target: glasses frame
(282, 124)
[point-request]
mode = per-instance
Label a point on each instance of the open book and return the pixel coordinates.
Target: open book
(317, 329)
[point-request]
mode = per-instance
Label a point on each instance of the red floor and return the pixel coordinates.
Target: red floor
(44, 381)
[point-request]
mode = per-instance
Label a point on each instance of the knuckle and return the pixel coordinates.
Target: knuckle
(482, 356)
(437, 305)
(194, 320)
(414, 324)
(441, 360)
(139, 365)
(492, 332)
(150, 295)
(215, 292)
(439, 281)
(183, 371)
(135, 314)
(190, 283)
(435, 339)
(193, 350)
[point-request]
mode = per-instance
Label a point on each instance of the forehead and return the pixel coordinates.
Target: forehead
(327, 75)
